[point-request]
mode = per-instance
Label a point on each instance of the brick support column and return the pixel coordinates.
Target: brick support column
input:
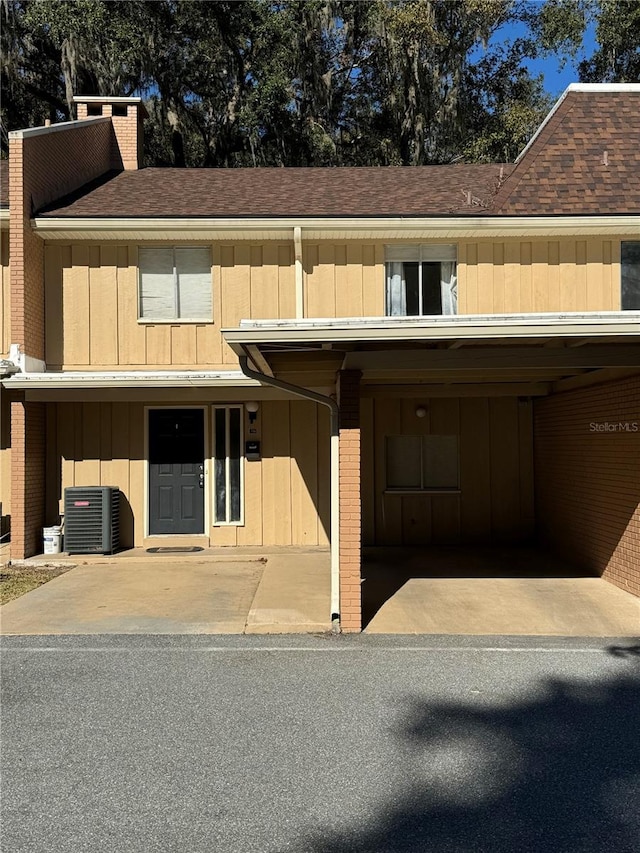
(27, 478)
(350, 517)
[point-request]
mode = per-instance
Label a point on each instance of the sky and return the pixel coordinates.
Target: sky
(556, 79)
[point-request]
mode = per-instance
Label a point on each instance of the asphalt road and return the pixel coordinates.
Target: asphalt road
(320, 745)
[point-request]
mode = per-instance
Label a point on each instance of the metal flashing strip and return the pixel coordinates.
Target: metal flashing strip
(467, 327)
(131, 379)
(55, 128)
(603, 87)
(106, 99)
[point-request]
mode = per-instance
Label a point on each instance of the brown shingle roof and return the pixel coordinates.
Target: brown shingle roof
(363, 191)
(4, 183)
(585, 159)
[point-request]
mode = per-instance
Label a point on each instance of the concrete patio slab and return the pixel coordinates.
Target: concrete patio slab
(133, 593)
(492, 591)
(293, 596)
(131, 598)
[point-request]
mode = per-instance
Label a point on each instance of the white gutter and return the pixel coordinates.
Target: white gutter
(331, 404)
(130, 379)
(297, 245)
(318, 228)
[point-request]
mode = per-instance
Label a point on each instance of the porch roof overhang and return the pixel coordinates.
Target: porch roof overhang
(360, 331)
(129, 379)
(463, 348)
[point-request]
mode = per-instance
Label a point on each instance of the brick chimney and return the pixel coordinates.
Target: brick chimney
(46, 163)
(126, 115)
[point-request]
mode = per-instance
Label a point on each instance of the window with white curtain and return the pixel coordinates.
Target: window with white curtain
(421, 280)
(175, 283)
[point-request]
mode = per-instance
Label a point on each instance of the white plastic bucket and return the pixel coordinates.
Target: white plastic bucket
(52, 539)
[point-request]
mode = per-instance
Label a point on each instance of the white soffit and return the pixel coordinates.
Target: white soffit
(330, 228)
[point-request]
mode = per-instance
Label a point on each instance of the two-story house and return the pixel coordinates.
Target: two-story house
(314, 357)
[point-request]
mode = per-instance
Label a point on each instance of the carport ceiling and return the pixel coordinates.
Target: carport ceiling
(500, 357)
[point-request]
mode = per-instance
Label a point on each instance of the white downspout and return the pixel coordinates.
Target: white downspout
(335, 473)
(297, 247)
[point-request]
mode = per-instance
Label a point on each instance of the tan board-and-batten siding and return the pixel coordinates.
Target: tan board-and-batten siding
(538, 275)
(286, 494)
(92, 306)
(92, 293)
(495, 502)
(344, 280)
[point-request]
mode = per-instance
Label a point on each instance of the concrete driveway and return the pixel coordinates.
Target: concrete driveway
(203, 593)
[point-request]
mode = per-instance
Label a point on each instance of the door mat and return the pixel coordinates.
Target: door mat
(178, 550)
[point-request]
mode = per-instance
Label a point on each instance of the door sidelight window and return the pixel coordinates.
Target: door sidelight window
(227, 460)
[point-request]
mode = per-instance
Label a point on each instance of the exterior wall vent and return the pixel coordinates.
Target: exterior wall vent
(91, 519)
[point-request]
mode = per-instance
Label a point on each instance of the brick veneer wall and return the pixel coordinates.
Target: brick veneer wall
(588, 479)
(28, 490)
(42, 168)
(66, 158)
(350, 503)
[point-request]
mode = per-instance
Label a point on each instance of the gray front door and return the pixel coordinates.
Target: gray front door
(176, 471)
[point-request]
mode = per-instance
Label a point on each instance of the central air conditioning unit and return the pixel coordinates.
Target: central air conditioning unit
(91, 519)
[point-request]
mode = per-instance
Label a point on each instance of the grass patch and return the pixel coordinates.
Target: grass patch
(16, 580)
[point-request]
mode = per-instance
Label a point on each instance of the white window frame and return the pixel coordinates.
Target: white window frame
(176, 319)
(214, 459)
(422, 489)
(418, 253)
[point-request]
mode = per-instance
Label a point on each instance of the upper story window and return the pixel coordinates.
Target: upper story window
(421, 280)
(630, 263)
(175, 284)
